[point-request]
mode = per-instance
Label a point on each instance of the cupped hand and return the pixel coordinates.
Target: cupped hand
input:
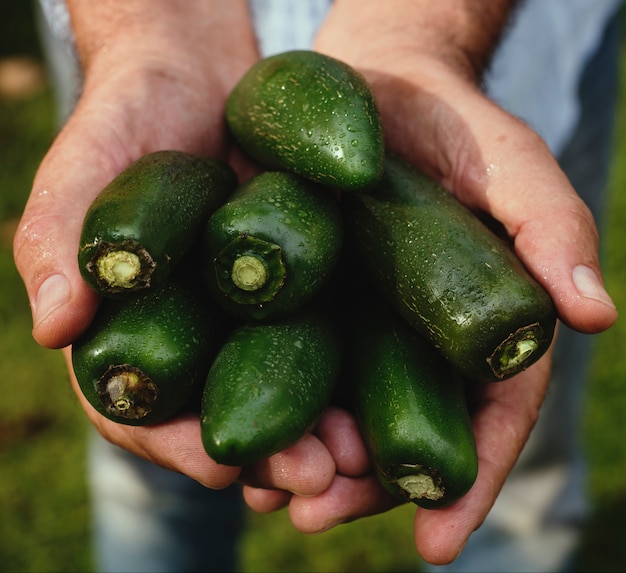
(133, 109)
(305, 469)
(503, 414)
(500, 168)
(152, 80)
(435, 115)
(120, 117)
(149, 84)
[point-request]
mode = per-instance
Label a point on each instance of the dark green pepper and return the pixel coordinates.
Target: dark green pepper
(268, 386)
(449, 275)
(143, 222)
(411, 409)
(311, 114)
(142, 358)
(271, 247)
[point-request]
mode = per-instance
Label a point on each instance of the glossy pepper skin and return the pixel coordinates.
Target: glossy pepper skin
(268, 386)
(272, 246)
(310, 114)
(144, 221)
(142, 359)
(410, 405)
(449, 275)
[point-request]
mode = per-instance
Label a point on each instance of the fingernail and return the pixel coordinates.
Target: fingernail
(53, 293)
(589, 285)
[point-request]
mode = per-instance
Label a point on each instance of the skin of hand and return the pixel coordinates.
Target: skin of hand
(151, 81)
(156, 76)
(425, 73)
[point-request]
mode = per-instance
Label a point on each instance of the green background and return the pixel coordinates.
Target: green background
(44, 504)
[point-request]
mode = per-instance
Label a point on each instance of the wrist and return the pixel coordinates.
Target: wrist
(459, 35)
(191, 36)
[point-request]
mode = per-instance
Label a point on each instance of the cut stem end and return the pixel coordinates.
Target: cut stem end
(126, 392)
(517, 352)
(119, 269)
(249, 273)
(421, 486)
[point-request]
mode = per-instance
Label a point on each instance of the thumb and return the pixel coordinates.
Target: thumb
(46, 242)
(560, 248)
(553, 231)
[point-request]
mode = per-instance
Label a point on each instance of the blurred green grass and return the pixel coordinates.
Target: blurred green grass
(43, 499)
(44, 503)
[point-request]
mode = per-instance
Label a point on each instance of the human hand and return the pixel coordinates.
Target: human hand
(155, 78)
(166, 90)
(304, 469)
(435, 115)
(352, 493)
(503, 414)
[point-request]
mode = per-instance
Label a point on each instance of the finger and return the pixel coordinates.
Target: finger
(265, 500)
(502, 423)
(345, 500)
(339, 432)
(175, 444)
(306, 469)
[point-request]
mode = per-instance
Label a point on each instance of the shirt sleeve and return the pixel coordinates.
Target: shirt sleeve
(283, 25)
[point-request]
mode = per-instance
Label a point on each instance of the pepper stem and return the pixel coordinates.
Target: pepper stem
(126, 392)
(119, 268)
(250, 270)
(249, 273)
(420, 486)
(516, 352)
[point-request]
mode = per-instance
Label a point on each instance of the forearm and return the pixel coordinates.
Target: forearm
(194, 33)
(459, 33)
